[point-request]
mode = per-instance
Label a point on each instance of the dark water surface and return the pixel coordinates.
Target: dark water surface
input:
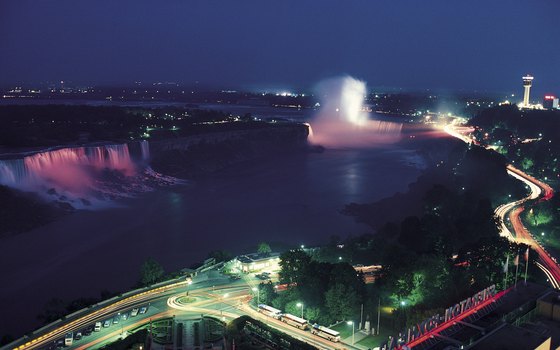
(293, 200)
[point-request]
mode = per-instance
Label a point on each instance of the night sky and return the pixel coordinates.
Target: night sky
(439, 44)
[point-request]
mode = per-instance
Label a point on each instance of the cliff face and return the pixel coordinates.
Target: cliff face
(192, 156)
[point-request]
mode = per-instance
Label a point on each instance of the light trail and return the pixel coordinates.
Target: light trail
(548, 274)
(91, 317)
(537, 189)
(436, 331)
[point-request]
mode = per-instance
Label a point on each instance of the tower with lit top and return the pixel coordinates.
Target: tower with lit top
(527, 82)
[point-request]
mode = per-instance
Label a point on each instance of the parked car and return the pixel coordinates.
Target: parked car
(143, 310)
(97, 327)
(88, 330)
(68, 339)
(134, 312)
(78, 336)
(107, 323)
(262, 276)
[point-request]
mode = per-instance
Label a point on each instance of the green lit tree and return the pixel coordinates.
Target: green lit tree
(265, 294)
(312, 313)
(293, 264)
(341, 302)
(264, 249)
(151, 272)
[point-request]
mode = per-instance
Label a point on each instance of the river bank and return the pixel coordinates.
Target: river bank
(292, 199)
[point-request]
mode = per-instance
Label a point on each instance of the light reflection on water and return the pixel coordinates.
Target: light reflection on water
(294, 200)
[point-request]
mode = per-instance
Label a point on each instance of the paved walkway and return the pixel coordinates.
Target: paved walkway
(357, 337)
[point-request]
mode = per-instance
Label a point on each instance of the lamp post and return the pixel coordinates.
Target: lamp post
(300, 305)
(255, 289)
(351, 323)
(189, 282)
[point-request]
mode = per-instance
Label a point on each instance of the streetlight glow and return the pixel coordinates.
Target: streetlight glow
(300, 305)
(255, 289)
(353, 330)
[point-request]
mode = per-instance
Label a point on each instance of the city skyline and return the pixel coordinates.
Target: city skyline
(259, 46)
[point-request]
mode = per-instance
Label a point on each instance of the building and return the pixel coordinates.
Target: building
(255, 262)
(526, 316)
(527, 82)
(370, 272)
(550, 102)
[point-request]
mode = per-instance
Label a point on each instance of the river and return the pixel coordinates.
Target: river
(286, 201)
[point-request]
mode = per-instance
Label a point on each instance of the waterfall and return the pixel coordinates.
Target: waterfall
(341, 120)
(145, 148)
(73, 172)
(84, 177)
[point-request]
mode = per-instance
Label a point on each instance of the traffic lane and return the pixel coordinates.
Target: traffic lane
(46, 338)
(156, 308)
(116, 333)
(295, 332)
(122, 323)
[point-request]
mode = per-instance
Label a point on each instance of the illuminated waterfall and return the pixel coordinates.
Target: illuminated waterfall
(342, 122)
(81, 175)
(145, 149)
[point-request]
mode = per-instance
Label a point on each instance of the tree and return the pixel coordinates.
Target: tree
(341, 302)
(264, 249)
(312, 313)
(150, 272)
(293, 265)
(54, 309)
(220, 255)
(266, 293)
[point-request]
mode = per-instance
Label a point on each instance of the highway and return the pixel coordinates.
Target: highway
(220, 297)
(538, 190)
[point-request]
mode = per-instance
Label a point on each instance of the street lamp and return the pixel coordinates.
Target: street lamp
(351, 323)
(300, 305)
(255, 289)
(189, 282)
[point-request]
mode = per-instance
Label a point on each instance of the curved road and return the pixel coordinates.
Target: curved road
(219, 297)
(537, 189)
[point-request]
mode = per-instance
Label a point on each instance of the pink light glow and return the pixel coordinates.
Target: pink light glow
(72, 171)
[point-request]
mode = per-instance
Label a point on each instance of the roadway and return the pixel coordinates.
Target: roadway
(538, 190)
(220, 297)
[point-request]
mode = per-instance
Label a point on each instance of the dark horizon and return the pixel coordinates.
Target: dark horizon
(536, 92)
(477, 46)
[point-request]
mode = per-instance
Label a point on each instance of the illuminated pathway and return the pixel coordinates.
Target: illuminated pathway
(538, 189)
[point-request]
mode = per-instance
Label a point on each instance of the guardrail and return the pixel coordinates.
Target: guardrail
(75, 314)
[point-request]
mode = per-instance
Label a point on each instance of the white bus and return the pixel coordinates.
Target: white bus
(270, 311)
(294, 321)
(326, 333)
